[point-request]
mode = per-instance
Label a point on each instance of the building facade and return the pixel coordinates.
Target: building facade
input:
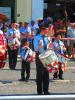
(29, 9)
(21, 10)
(60, 9)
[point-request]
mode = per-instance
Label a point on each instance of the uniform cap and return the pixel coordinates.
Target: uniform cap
(39, 19)
(44, 25)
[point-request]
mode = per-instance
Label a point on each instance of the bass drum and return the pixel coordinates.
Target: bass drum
(2, 59)
(3, 51)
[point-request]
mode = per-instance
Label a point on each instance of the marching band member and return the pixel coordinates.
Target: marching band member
(26, 55)
(59, 48)
(16, 36)
(42, 75)
(12, 48)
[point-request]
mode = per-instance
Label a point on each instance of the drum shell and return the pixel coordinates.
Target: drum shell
(3, 50)
(51, 57)
(2, 59)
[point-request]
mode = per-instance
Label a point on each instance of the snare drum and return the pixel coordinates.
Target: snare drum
(63, 59)
(49, 59)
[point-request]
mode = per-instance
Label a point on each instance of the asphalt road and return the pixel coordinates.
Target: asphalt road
(9, 84)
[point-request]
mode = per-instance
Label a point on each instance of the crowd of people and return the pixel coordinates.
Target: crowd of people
(32, 39)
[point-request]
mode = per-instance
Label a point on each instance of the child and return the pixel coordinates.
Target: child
(59, 48)
(26, 55)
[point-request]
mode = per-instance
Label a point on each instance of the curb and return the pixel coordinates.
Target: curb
(56, 81)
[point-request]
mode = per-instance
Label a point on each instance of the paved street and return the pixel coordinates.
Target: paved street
(9, 84)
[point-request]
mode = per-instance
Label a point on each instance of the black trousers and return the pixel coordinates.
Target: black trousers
(12, 57)
(25, 68)
(59, 73)
(42, 77)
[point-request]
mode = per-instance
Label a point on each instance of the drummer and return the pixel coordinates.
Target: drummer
(42, 75)
(12, 49)
(59, 48)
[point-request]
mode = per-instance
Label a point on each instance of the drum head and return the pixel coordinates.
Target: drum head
(45, 54)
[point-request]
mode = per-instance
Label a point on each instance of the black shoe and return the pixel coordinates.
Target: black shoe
(46, 93)
(40, 94)
(12, 68)
(27, 78)
(54, 78)
(61, 78)
(22, 80)
(55, 75)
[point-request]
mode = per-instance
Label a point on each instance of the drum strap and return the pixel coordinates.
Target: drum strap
(27, 53)
(59, 46)
(44, 46)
